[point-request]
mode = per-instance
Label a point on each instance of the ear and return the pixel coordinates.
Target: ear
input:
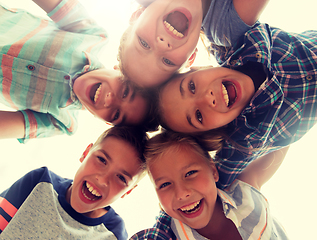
(215, 172)
(83, 156)
(192, 58)
(136, 15)
(128, 192)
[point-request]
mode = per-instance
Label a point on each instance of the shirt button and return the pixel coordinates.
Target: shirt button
(66, 77)
(258, 55)
(31, 67)
(309, 77)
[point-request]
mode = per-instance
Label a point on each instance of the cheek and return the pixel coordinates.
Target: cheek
(166, 202)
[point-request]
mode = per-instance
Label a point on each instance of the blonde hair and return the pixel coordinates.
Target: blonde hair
(162, 142)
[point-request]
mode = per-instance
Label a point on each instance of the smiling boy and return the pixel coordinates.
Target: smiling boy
(50, 70)
(44, 205)
(163, 34)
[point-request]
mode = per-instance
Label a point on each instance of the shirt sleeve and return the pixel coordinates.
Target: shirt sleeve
(71, 16)
(40, 125)
(222, 24)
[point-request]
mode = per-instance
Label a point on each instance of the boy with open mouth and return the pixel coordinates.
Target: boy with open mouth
(185, 176)
(163, 34)
(50, 70)
(44, 205)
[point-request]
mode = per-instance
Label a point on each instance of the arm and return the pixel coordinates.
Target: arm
(262, 169)
(12, 124)
(249, 11)
(47, 5)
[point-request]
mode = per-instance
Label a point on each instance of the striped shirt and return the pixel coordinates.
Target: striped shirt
(39, 58)
(245, 206)
(284, 107)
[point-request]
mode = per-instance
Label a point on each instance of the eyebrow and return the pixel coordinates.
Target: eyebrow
(127, 174)
(106, 154)
(181, 89)
(124, 118)
(189, 120)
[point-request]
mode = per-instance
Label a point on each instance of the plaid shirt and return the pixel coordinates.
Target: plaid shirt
(284, 107)
(39, 59)
(160, 231)
(244, 205)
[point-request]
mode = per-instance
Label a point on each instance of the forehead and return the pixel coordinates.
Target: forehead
(176, 157)
(121, 152)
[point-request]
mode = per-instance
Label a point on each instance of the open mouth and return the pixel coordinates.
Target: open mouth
(89, 192)
(177, 23)
(95, 92)
(192, 208)
(229, 92)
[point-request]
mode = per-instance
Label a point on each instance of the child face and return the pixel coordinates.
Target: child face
(186, 185)
(205, 99)
(106, 96)
(155, 49)
(109, 170)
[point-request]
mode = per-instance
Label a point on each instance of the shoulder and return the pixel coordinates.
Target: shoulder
(115, 224)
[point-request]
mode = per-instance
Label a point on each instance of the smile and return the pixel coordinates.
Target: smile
(192, 208)
(95, 92)
(229, 92)
(90, 192)
(177, 23)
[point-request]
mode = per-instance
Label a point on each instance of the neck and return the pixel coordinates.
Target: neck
(219, 226)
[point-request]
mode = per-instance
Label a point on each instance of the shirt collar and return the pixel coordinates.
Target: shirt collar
(92, 64)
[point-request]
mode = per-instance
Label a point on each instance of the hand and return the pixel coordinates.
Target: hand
(11, 125)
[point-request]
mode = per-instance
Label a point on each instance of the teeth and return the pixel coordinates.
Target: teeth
(92, 190)
(173, 30)
(190, 207)
(225, 94)
(97, 93)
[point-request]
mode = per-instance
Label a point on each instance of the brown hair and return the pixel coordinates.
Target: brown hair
(161, 142)
(136, 136)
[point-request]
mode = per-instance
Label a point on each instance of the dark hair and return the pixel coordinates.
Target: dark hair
(136, 136)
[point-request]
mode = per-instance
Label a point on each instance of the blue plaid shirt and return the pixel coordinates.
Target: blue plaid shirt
(161, 230)
(283, 109)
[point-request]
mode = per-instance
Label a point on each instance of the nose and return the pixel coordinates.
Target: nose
(109, 99)
(182, 192)
(103, 179)
(163, 44)
(207, 98)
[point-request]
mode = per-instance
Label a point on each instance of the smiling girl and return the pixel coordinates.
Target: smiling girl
(184, 176)
(262, 96)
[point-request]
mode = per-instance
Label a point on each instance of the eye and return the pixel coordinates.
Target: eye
(116, 116)
(122, 178)
(143, 43)
(164, 185)
(103, 160)
(199, 116)
(126, 91)
(190, 173)
(191, 87)
(168, 62)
